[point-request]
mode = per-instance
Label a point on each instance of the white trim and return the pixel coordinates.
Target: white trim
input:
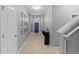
(72, 32)
(65, 46)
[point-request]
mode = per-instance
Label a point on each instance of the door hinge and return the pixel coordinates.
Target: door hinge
(3, 36)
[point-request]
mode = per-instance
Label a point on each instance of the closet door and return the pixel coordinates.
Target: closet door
(12, 30)
(9, 31)
(4, 29)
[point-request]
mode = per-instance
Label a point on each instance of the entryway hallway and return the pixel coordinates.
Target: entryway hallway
(34, 44)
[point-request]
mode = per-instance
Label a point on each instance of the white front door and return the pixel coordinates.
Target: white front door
(9, 31)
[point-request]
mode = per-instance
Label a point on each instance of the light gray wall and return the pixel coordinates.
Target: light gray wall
(0, 28)
(61, 15)
(48, 22)
(23, 37)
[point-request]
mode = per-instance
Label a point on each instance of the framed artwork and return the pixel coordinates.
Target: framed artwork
(22, 31)
(21, 14)
(22, 23)
(25, 29)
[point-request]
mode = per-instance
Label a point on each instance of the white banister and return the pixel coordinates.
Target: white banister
(69, 25)
(66, 32)
(71, 32)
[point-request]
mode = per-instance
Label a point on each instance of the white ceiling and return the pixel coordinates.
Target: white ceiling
(36, 12)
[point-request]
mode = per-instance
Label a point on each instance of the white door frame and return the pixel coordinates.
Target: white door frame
(34, 25)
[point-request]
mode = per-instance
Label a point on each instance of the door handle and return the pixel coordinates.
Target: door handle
(15, 35)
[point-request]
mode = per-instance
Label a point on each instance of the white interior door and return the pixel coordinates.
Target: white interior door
(12, 31)
(9, 31)
(4, 30)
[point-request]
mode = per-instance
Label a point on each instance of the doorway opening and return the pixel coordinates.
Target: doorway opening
(36, 27)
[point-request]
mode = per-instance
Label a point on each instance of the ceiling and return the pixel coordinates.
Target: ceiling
(40, 11)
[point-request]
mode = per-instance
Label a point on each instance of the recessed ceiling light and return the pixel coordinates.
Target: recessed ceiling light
(36, 7)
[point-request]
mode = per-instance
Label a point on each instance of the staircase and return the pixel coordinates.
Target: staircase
(69, 41)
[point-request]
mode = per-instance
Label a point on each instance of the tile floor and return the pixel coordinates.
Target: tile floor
(34, 44)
